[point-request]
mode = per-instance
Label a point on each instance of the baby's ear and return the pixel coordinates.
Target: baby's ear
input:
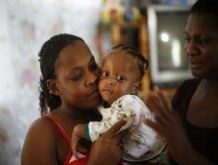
(52, 87)
(136, 87)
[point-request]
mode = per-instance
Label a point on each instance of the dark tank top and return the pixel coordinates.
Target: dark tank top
(204, 140)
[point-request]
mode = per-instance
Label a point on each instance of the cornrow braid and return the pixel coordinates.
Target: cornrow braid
(131, 50)
(47, 57)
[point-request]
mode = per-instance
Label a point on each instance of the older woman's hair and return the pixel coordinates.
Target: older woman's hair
(206, 7)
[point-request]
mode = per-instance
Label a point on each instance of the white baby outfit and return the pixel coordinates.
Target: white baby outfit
(141, 138)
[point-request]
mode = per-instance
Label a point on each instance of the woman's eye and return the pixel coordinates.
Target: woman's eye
(203, 41)
(187, 39)
(120, 78)
(76, 77)
(198, 40)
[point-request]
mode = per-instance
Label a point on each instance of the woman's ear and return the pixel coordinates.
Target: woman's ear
(52, 86)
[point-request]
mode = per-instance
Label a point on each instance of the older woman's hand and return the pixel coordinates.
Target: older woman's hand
(168, 124)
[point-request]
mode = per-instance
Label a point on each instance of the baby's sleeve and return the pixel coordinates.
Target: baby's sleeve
(86, 132)
(97, 128)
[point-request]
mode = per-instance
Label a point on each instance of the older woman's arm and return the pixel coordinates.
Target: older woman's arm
(169, 125)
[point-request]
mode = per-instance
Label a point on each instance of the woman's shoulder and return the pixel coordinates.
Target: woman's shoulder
(187, 87)
(41, 124)
(190, 83)
(184, 94)
(41, 127)
(40, 134)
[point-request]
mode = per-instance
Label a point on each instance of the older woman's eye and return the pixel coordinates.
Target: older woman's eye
(203, 41)
(187, 39)
(120, 78)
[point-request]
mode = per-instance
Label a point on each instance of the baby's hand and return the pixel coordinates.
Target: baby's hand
(74, 143)
(75, 138)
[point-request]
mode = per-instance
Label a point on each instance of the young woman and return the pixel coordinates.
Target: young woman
(68, 96)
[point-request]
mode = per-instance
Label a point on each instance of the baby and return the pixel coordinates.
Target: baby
(121, 74)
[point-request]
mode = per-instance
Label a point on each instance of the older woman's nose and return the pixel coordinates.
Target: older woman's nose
(191, 48)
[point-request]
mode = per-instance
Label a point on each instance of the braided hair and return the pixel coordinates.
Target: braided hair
(132, 51)
(47, 57)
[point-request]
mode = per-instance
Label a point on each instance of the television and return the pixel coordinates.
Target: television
(166, 39)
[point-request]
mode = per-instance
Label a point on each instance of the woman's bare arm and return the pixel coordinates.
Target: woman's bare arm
(39, 145)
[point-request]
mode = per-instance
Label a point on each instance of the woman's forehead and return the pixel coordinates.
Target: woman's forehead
(202, 21)
(77, 51)
(76, 55)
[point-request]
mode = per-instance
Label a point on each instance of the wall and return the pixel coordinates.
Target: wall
(25, 25)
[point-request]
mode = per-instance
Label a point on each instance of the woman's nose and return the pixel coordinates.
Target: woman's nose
(92, 78)
(190, 48)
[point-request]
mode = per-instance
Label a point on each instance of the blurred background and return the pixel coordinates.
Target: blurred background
(26, 24)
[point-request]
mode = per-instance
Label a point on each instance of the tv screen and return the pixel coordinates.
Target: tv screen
(168, 61)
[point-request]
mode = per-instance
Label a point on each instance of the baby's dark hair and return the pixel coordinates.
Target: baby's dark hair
(132, 51)
(47, 57)
(206, 7)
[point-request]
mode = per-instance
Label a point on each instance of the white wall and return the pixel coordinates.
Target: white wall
(25, 25)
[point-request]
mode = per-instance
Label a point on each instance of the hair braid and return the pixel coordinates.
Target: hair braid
(130, 50)
(47, 58)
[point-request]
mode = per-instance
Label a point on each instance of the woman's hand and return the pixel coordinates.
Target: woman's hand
(108, 148)
(168, 124)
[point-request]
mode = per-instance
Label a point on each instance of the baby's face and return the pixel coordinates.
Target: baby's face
(119, 76)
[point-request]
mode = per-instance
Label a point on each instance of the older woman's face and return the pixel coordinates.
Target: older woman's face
(202, 45)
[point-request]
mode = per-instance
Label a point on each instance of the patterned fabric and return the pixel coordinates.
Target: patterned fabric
(141, 138)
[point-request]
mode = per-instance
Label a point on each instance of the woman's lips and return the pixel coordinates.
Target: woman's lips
(94, 93)
(195, 65)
